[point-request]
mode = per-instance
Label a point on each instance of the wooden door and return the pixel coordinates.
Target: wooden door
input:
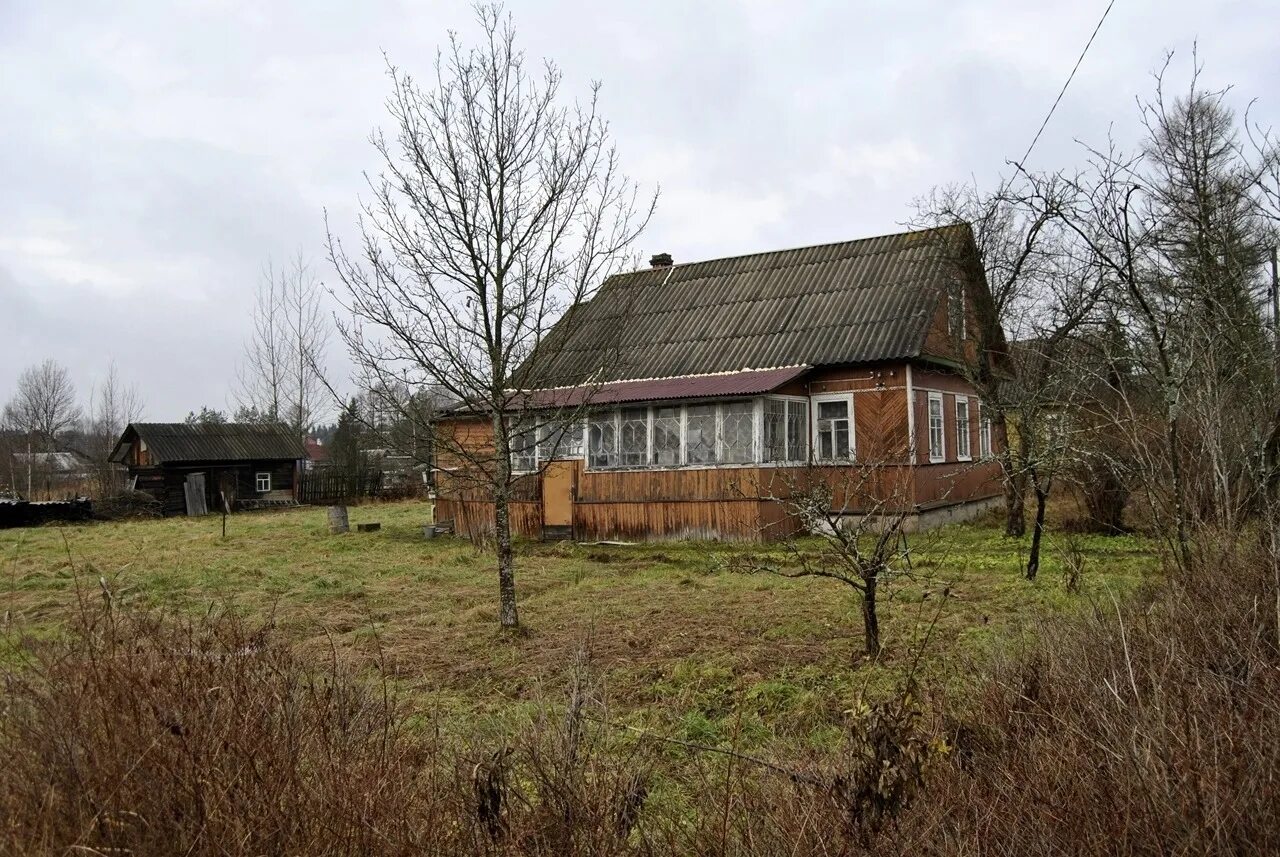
(557, 494)
(194, 489)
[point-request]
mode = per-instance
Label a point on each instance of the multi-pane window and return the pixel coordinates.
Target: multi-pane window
(672, 435)
(602, 439)
(984, 434)
(700, 434)
(666, 436)
(523, 437)
(262, 482)
(833, 428)
(963, 451)
(774, 437)
(937, 433)
(633, 437)
(560, 440)
(797, 431)
(737, 433)
(785, 435)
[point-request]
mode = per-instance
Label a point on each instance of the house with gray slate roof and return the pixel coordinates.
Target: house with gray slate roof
(715, 387)
(192, 468)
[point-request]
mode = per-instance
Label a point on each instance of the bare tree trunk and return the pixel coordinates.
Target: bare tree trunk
(1179, 491)
(1037, 531)
(1015, 502)
(507, 616)
(870, 619)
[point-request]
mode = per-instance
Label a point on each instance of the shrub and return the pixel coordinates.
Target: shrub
(126, 504)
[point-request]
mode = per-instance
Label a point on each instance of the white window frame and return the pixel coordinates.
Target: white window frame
(788, 459)
(542, 434)
(653, 428)
(984, 434)
(514, 429)
(965, 452)
(684, 433)
(648, 434)
(942, 423)
(259, 479)
(815, 447)
(615, 417)
(754, 457)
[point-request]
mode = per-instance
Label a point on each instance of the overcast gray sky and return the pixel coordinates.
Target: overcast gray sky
(154, 155)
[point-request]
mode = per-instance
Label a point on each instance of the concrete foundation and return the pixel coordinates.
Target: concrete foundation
(939, 516)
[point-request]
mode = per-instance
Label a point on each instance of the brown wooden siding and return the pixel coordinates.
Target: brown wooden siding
(474, 519)
(951, 481)
(743, 503)
(238, 480)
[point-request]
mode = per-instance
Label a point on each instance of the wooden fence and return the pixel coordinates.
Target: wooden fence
(331, 486)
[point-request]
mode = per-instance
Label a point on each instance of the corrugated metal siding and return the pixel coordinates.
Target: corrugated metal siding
(174, 442)
(851, 302)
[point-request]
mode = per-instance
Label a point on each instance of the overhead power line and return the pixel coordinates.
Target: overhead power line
(1070, 77)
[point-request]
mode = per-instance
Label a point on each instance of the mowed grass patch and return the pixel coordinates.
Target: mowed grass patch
(677, 637)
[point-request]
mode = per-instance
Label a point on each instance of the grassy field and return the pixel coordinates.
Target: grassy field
(679, 640)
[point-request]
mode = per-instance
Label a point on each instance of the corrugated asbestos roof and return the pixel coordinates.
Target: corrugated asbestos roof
(178, 442)
(851, 302)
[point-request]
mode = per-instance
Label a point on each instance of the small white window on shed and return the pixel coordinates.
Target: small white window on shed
(263, 482)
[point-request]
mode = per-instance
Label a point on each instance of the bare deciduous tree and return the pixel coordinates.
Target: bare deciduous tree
(1180, 231)
(43, 407)
(280, 377)
(860, 515)
(112, 407)
(1044, 293)
(497, 210)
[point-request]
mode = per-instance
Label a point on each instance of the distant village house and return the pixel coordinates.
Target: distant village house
(193, 468)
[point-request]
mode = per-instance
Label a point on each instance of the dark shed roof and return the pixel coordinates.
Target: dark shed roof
(851, 302)
(179, 442)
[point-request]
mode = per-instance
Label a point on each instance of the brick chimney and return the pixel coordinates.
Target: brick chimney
(661, 260)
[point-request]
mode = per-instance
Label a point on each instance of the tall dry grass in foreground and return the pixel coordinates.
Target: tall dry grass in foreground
(1150, 727)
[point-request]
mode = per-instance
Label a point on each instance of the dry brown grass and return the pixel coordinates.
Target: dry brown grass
(1145, 726)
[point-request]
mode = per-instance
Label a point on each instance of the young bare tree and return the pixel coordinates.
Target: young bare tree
(112, 407)
(43, 407)
(280, 377)
(497, 210)
(859, 515)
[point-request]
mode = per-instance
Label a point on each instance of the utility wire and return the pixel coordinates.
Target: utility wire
(1070, 77)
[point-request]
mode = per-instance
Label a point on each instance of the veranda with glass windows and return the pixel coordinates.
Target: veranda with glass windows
(772, 430)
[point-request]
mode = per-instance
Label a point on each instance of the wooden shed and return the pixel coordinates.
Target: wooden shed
(192, 468)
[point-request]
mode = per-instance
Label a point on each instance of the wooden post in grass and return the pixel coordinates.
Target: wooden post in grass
(338, 522)
(226, 510)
